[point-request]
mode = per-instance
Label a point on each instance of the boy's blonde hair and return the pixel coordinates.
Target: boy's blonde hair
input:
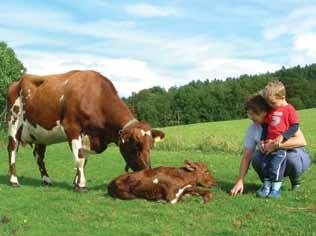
(274, 88)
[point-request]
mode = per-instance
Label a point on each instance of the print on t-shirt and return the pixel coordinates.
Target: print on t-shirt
(276, 118)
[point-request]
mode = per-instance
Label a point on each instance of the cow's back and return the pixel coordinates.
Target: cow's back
(53, 97)
(73, 98)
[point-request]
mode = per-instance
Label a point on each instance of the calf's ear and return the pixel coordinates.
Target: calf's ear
(188, 165)
(157, 135)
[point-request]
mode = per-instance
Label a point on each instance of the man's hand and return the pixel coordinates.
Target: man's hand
(278, 139)
(238, 188)
(261, 146)
(270, 146)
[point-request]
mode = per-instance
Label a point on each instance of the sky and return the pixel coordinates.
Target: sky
(141, 44)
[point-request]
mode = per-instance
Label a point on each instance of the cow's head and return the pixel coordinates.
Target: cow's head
(201, 172)
(135, 143)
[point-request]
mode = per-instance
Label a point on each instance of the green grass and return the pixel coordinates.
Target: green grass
(225, 136)
(35, 210)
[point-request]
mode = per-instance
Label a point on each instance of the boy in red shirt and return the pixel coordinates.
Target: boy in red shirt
(281, 123)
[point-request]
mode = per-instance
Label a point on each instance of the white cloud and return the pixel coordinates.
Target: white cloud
(298, 21)
(128, 75)
(304, 49)
(139, 60)
(300, 26)
(149, 10)
(15, 38)
(221, 68)
(33, 17)
(306, 42)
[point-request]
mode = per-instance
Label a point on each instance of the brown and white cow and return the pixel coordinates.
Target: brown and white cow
(167, 184)
(81, 107)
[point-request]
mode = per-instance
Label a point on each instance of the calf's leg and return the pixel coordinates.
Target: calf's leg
(173, 196)
(206, 195)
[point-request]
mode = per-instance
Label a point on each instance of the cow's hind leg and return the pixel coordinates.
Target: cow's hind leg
(14, 118)
(39, 154)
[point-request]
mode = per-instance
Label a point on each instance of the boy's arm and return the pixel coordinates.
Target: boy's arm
(293, 121)
(290, 131)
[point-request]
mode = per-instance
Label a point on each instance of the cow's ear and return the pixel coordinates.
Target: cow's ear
(157, 135)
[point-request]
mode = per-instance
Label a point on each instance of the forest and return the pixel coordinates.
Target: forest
(214, 100)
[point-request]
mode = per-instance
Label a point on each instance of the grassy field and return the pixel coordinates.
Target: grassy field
(35, 210)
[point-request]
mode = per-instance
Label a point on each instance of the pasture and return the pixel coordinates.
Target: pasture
(33, 209)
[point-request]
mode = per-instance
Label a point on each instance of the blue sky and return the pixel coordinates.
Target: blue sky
(140, 44)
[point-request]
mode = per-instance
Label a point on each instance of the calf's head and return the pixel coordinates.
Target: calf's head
(135, 144)
(201, 172)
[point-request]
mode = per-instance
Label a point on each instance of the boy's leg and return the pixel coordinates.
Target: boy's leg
(276, 171)
(277, 165)
(266, 187)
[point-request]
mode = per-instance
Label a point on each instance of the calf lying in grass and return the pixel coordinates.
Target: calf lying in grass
(164, 183)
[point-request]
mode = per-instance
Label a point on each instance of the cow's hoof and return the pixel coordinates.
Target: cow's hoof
(14, 185)
(80, 189)
(47, 183)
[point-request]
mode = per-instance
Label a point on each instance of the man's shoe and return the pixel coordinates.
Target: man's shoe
(296, 187)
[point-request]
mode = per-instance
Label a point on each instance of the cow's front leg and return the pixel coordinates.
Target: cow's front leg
(80, 158)
(12, 151)
(14, 119)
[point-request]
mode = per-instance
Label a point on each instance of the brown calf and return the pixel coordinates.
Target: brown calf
(164, 183)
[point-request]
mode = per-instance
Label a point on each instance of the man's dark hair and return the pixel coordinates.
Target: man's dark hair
(257, 104)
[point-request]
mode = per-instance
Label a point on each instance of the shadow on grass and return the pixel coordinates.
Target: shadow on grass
(28, 181)
(227, 186)
(37, 182)
(34, 182)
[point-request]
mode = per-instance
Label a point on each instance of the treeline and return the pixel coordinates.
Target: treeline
(10, 69)
(202, 101)
(198, 101)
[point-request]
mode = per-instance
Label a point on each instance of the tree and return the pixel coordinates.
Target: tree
(11, 69)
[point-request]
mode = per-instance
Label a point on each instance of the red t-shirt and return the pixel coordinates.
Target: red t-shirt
(280, 119)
